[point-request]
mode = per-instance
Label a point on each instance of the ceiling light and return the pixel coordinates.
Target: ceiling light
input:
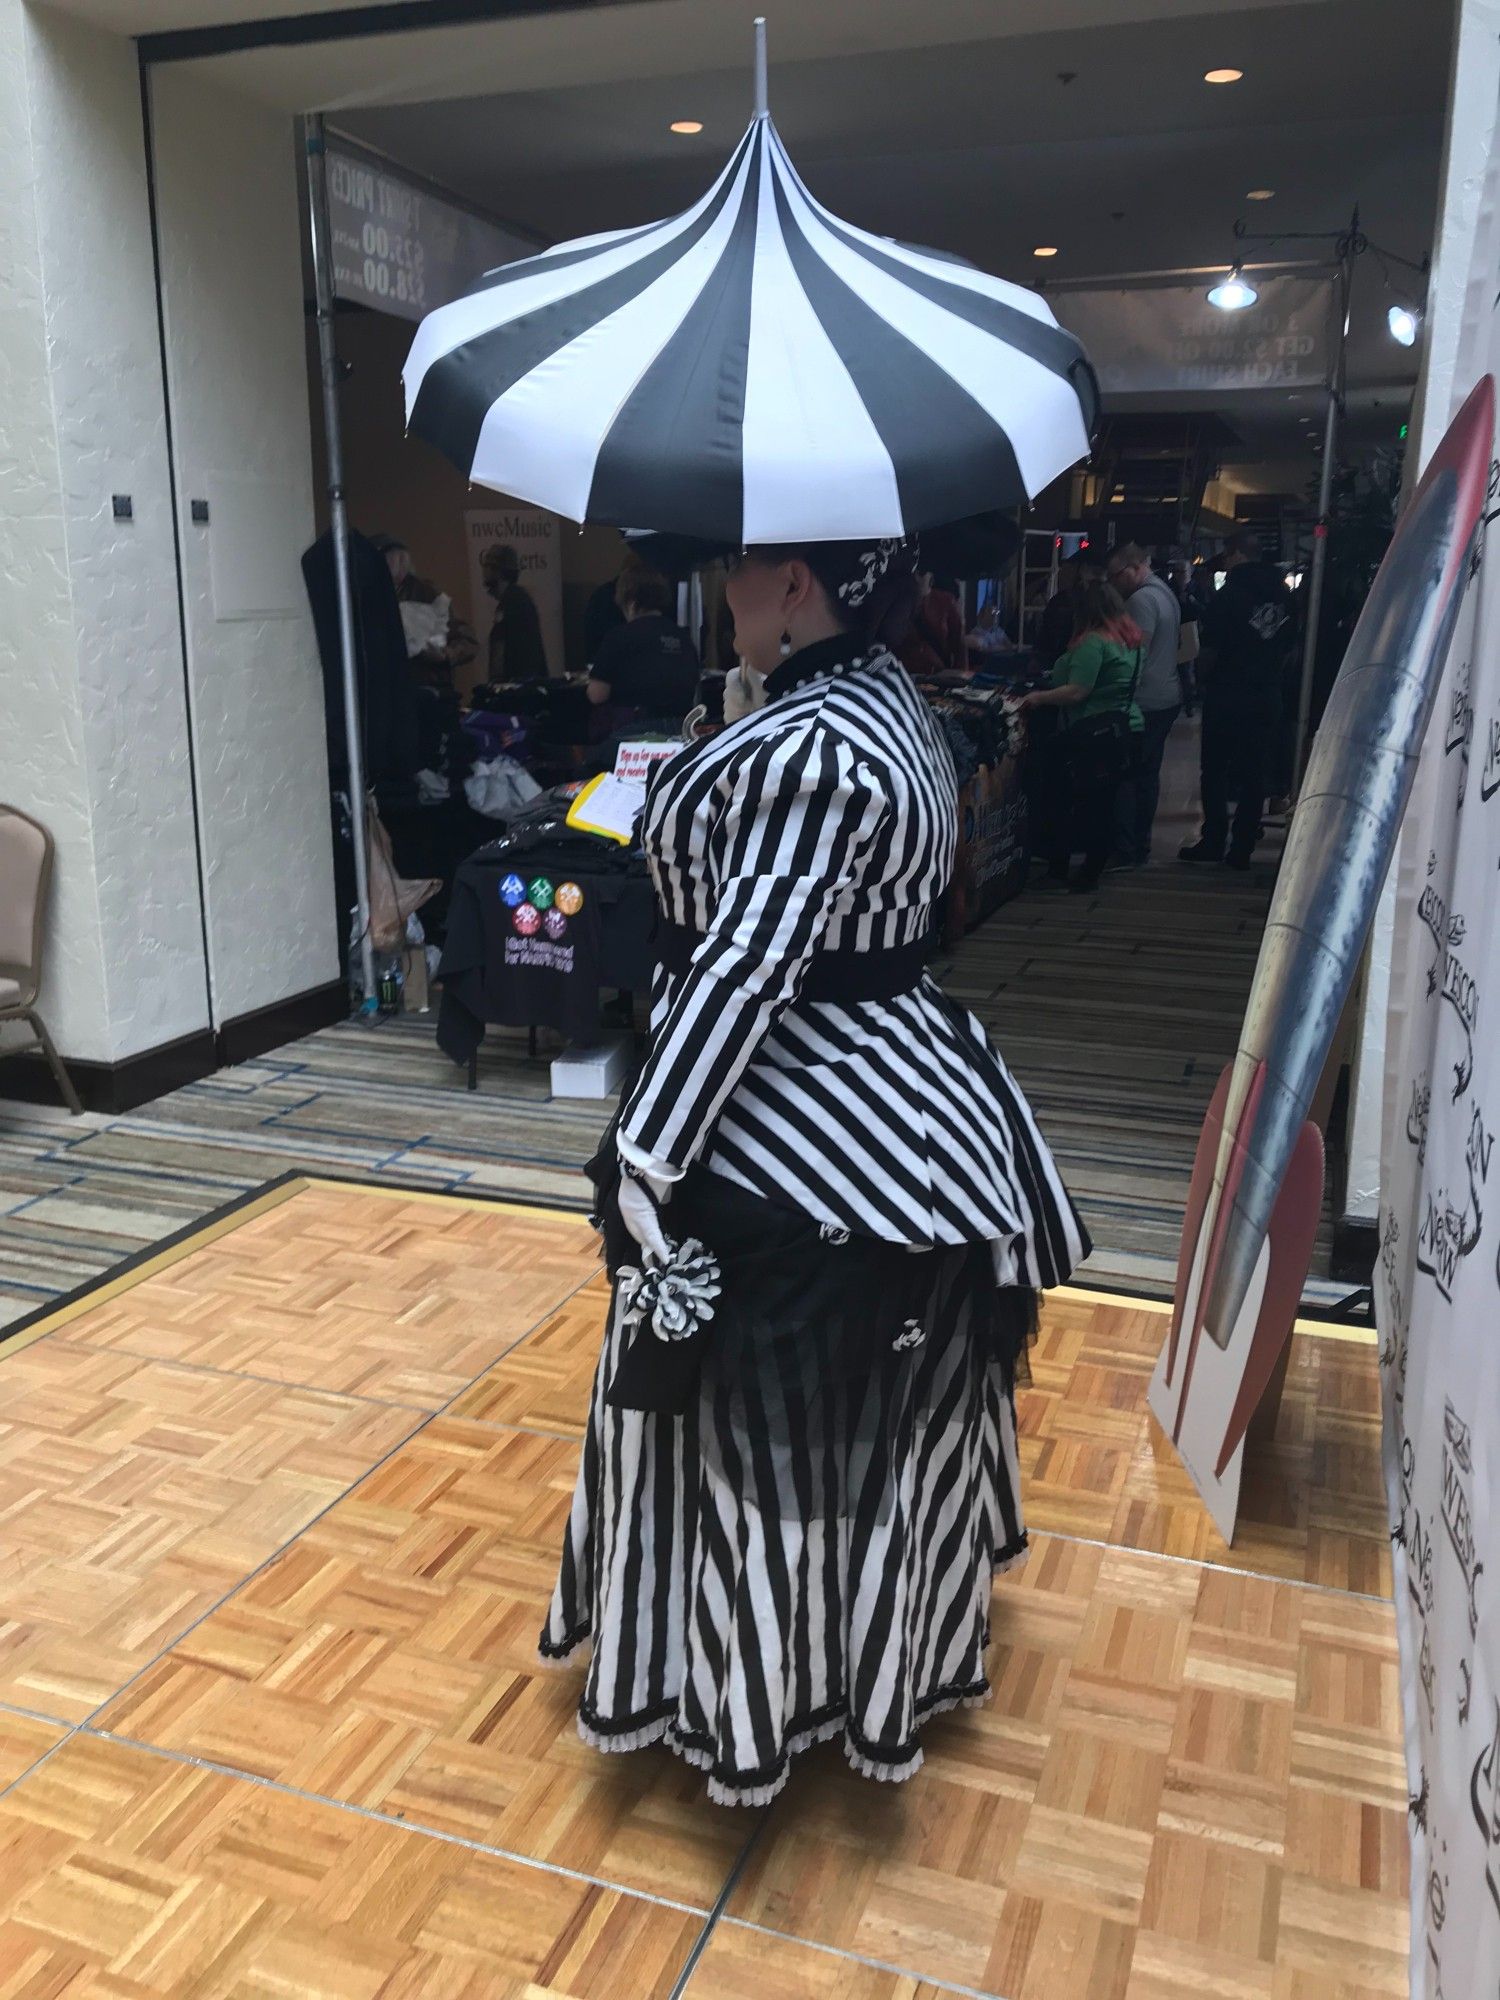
(1260, 194)
(1222, 75)
(1233, 293)
(1045, 250)
(687, 126)
(1403, 323)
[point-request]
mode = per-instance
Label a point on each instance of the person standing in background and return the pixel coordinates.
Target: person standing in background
(1249, 629)
(649, 666)
(1060, 613)
(1184, 587)
(1154, 609)
(935, 643)
(438, 643)
(516, 650)
(605, 611)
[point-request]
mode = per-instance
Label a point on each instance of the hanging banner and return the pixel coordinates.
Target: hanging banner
(534, 535)
(1167, 339)
(1438, 1281)
(401, 249)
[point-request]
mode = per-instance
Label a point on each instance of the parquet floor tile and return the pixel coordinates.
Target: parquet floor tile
(742, 1964)
(337, 1289)
(1094, 1462)
(293, 1508)
(134, 1496)
(24, 1738)
(1133, 1778)
(389, 1660)
(126, 1874)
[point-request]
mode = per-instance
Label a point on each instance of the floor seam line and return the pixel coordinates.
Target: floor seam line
(399, 1824)
(721, 1903)
(876, 1964)
(1203, 1562)
(241, 1374)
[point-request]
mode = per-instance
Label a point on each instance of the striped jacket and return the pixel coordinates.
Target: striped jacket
(827, 819)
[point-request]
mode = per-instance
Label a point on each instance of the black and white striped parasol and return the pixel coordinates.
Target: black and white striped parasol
(753, 370)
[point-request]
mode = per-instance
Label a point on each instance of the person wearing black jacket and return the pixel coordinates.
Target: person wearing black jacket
(1250, 627)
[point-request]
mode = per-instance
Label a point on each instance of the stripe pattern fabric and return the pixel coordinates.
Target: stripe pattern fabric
(756, 1575)
(752, 370)
(828, 820)
(749, 1597)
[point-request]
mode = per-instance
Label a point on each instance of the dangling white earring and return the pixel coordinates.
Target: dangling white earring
(786, 645)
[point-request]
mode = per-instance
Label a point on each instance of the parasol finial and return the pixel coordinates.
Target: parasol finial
(762, 90)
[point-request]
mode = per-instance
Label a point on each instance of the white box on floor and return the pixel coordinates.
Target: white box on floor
(595, 1072)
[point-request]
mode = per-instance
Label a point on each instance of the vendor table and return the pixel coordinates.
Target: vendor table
(534, 939)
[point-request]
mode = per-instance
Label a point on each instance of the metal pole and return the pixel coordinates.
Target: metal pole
(1315, 589)
(762, 90)
(1325, 497)
(322, 261)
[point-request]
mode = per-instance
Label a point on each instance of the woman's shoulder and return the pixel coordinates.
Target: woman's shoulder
(1089, 646)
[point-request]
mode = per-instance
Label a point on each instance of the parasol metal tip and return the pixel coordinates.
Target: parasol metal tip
(762, 89)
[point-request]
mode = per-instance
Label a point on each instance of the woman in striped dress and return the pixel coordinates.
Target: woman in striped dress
(827, 1211)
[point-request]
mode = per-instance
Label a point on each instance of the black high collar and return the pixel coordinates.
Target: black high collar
(823, 656)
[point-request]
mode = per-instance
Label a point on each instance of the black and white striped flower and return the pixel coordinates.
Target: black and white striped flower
(675, 1297)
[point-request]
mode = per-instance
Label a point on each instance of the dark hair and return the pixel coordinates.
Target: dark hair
(647, 590)
(1129, 555)
(1099, 607)
(881, 618)
(1244, 542)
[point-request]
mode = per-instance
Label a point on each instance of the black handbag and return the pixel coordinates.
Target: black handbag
(1105, 744)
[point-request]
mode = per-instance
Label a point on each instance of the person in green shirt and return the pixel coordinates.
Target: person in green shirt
(1092, 694)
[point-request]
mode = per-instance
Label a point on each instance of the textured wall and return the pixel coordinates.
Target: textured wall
(232, 281)
(106, 393)
(94, 740)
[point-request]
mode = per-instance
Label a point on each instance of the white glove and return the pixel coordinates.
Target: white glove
(642, 1217)
(744, 692)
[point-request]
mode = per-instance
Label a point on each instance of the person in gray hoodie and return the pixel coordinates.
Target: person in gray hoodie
(1152, 604)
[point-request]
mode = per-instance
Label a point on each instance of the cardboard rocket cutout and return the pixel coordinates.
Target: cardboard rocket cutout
(1258, 1179)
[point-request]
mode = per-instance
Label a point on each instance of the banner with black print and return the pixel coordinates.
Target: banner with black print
(1438, 1281)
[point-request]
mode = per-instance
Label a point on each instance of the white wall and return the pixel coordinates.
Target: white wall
(105, 356)
(97, 716)
(232, 283)
(95, 732)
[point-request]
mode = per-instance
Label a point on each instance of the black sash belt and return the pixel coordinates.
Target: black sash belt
(842, 975)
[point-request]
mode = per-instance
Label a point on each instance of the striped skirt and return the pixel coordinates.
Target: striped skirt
(753, 1583)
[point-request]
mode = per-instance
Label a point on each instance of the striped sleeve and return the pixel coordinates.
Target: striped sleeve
(801, 816)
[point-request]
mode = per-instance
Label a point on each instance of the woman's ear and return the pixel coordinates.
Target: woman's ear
(799, 584)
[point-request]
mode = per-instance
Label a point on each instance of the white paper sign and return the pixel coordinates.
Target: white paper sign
(634, 761)
(534, 535)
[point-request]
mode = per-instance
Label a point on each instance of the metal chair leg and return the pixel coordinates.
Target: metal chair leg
(55, 1063)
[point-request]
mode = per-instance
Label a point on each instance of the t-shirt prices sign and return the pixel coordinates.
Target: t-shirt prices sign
(401, 249)
(1438, 1280)
(1167, 339)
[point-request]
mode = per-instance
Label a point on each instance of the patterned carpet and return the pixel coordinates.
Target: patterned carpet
(1116, 1012)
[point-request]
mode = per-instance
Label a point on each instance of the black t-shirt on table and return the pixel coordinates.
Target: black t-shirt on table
(650, 664)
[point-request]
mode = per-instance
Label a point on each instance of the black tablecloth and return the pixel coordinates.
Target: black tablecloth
(534, 937)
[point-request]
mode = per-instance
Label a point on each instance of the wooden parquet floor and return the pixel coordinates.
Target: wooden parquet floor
(278, 1525)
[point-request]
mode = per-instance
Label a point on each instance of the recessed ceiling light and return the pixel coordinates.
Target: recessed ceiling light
(1260, 194)
(1045, 250)
(1222, 75)
(687, 126)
